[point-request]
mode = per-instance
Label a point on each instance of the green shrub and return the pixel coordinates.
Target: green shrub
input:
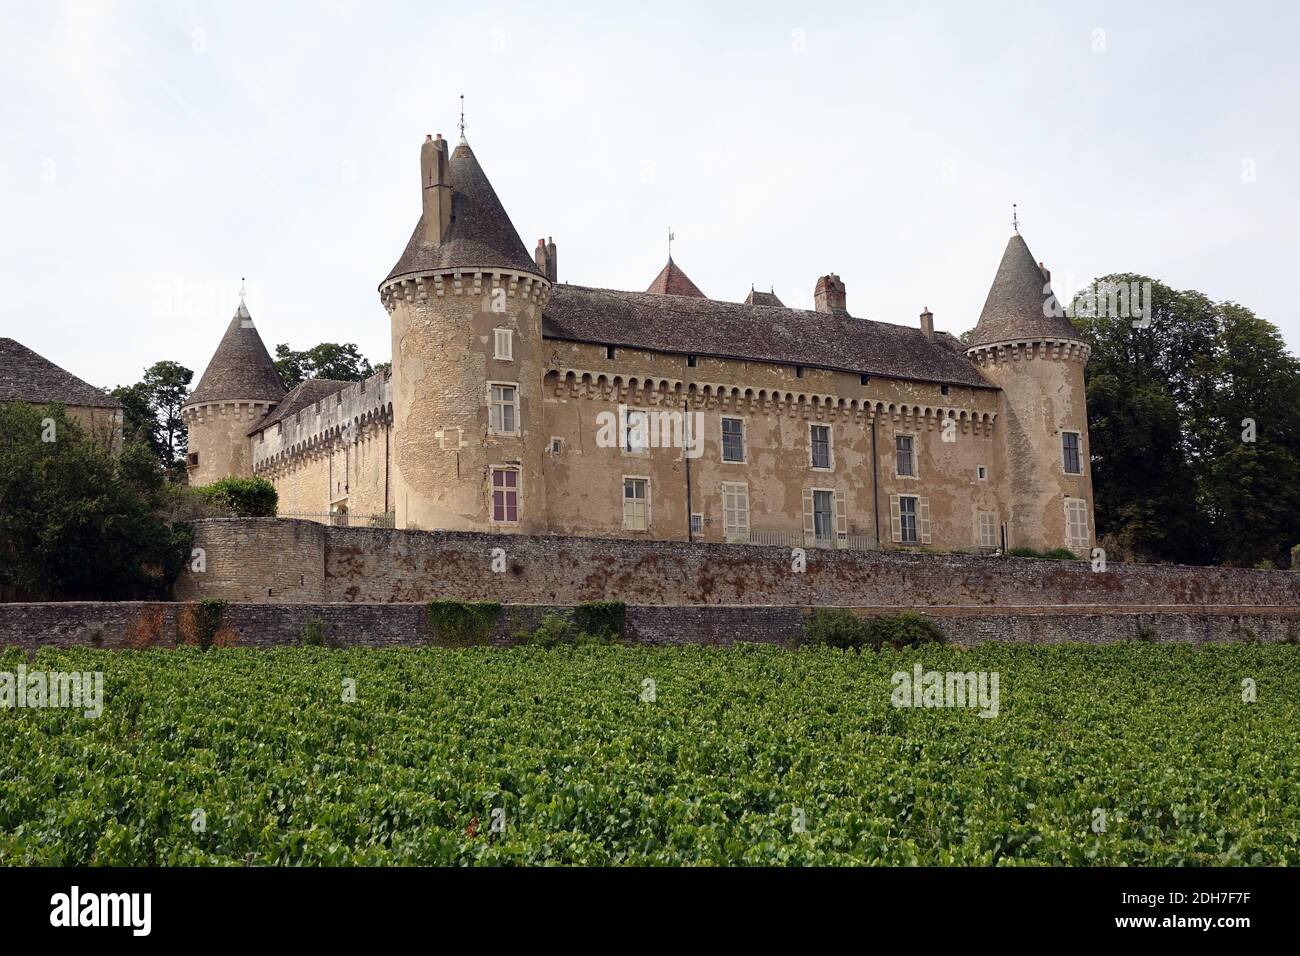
(835, 627)
(245, 497)
(200, 623)
(908, 629)
(601, 619)
(1024, 553)
(1061, 554)
(313, 632)
(551, 632)
(462, 623)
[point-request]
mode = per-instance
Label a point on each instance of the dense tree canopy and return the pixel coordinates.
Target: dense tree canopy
(152, 413)
(342, 363)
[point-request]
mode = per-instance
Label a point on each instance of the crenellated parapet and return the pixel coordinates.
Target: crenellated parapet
(1002, 353)
(513, 286)
(651, 391)
(352, 415)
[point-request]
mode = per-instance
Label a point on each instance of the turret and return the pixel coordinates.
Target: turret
(1024, 344)
(237, 390)
(466, 302)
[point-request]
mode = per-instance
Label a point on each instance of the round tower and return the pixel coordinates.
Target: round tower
(466, 305)
(1024, 344)
(237, 390)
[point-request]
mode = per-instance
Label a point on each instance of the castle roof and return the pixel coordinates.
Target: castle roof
(671, 280)
(1020, 304)
(763, 298)
(480, 236)
(241, 369)
(307, 392)
(28, 377)
(699, 326)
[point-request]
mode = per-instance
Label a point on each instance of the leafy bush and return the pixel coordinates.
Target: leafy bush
(602, 620)
(551, 632)
(245, 497)
(1023, 553)
(462, 623)
(835, 627)
(1061, 554)
(839, 627)
(908, 629)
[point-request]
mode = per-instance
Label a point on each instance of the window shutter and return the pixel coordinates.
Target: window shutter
(809, 523)
(895, 519)
(979, 528)
(923, 519)
(841, 518)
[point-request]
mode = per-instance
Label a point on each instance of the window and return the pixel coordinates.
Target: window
(194, 458)
(1070, 453)
(904, 456)
(735, 512)
(823, 513)
(819, 443)
(505, 495)
(557, 445)
(981, 472)
(503, 409)
(610, 351)
(865, 379)
(697, 523)
(636, 504)
(733, 439)
(636, 432)
(943, 389)
(909, 517)
(1076, 525)
(503, 345)
(690, 361)
(798, 371)
(986, 529)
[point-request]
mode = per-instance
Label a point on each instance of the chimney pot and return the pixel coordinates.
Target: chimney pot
(830, 295)
(546, 259)
(927, 323)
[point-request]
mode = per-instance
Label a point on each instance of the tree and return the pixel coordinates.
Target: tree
(342, 363)
(77, 522)
(152, 413)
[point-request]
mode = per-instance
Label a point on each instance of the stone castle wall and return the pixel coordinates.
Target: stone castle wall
(368, 565)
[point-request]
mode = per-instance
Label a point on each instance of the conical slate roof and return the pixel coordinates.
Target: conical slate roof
(673, 281)
(241, 369)
(28, 377)
(1020, 304)
(480, 236)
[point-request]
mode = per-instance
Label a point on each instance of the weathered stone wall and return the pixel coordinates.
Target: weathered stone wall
(368, 565)
(122, 625)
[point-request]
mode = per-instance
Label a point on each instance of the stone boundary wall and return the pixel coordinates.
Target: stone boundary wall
(245, 557)
(118, 625)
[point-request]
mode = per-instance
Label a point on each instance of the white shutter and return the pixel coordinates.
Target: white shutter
(809, 521)
(841, 520)
(923, 519)
(895, 519)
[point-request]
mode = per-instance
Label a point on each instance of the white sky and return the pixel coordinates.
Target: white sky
(154, 153)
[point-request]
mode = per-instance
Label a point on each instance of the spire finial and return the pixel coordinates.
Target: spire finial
(462, 117)
(242, 291)
(671, 237)
(1015, 220)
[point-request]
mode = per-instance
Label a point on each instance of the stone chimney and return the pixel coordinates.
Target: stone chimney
(435, 188)
(545, 257)
(829, 295)
(927, 323)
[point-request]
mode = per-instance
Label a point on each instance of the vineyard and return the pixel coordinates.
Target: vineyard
(1122, 754)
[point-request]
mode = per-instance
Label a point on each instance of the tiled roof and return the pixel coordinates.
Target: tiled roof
(768, 299)
(671, 280)
(241, 369)
(28, 377)
(1020, 302)
(480, 236)
(305, 393)
(682, 324)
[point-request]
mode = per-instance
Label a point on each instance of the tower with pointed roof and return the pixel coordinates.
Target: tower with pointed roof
(465, 300)
(237, 390)
(1024, 344)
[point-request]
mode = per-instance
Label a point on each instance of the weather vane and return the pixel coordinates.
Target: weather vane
(671, 237)
(462, 116)
(1015, 221)
(241, 290)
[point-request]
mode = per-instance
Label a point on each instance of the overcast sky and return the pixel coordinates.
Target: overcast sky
(154, 153)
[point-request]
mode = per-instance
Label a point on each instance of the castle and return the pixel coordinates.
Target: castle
(523, 405)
